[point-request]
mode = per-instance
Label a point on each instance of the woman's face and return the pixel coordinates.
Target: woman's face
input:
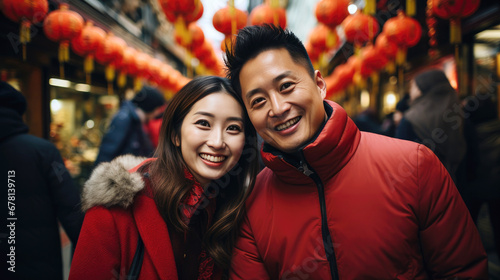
(212, 137)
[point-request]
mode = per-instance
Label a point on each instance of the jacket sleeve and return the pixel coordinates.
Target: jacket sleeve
(64, 193)
(113, 141)
(451, 244)
(97, 254)
(246, 262)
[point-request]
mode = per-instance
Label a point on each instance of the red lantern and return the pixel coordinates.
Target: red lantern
(387, 47)
(125, 65)
(90, 39)
(61, 26)
(403, 31)
(312, 52)
(225, 18)
(264, 13)
(360, 28)
(26, 12)
(372, 58)
(196, 36)
(109, 54)
(344, 73)
(182, 12)
(332, 12)
(202, 50)
(454, 11)
(323, 38)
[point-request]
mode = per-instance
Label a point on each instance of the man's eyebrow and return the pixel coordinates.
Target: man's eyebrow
(276, 79)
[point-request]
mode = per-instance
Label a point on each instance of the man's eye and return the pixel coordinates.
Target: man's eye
(202, 123)
(285, 86)
(257, 100)
(234, 128)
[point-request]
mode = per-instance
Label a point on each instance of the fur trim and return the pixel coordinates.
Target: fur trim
(111, 184)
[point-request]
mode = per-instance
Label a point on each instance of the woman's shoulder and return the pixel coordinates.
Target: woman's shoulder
(112, 184)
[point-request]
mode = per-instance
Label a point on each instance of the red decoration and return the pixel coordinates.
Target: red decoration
(224, 19)
(265, 13)
(360, 28)
(196, 36)
(403, 31)
(312, 52)
(371, 57)
(61, 26)
(386, 47)
(332, 12)
(90, 39)
(26, 12)
(454, 10)
(345, 73)
(110, 54)
(323, 38)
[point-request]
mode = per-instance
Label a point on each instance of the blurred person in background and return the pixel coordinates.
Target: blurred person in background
(126, 134)
(39, 193)
(435, 118)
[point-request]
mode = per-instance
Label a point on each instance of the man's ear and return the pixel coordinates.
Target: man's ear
(320, 83)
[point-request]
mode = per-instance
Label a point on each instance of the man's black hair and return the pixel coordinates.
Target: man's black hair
(253, 40)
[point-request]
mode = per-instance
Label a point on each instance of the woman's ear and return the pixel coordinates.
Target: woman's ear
(175, 139)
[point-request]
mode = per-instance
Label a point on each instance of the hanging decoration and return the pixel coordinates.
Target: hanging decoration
(269, 12)
(389, 49)
(228, 21)
(90, 39)
(61, 26)
(332, 12)
(454, 11)
(109, 54)
(405, 32)
(323, 39)
(27, 13)
(359, 29)
(431, 21)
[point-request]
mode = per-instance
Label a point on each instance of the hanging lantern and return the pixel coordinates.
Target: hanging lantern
(360, 28)
(312, 52)
(403, 31)
(200, 51)
(266, 13)
(389, 49)
(125, 65)
(181, 13)
(196, 36)
(228, 21)
(109, 54)
(61, 26)
(454, 11)
(26, 12)
(345, 73)
(90, 39)
(138, 69)
(332, 12)
(324, 39)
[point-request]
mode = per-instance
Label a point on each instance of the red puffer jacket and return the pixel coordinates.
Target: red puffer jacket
(355, 205)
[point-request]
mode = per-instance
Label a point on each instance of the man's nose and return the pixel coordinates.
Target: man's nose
(279, 106)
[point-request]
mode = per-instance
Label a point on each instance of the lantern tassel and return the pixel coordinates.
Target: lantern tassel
(88, 66)
(401, 56)
(24, 35)
(122, 79)
(455, 31)
(370, 7)
(375, 77)
(110, 76)
(411, 8)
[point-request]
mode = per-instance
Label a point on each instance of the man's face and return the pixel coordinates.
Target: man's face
(284, 103)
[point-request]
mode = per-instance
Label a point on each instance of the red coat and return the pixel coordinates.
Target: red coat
(109, 235)
(385, 209)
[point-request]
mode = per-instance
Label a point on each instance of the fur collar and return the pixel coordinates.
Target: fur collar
(111, 183)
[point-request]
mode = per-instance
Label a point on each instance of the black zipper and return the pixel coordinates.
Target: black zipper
(327, 238)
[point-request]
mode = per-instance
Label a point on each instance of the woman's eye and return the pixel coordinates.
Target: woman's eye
(285, 86)
(202, 123)
(234, 128)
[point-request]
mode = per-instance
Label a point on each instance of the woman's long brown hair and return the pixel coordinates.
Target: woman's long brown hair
(170, 186)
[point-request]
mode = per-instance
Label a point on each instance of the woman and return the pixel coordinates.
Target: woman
(185, 205)
(435, 119)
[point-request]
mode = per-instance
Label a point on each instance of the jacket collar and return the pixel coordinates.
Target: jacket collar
(326, 154)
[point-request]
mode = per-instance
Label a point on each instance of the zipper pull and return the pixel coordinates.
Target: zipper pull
(305, 169)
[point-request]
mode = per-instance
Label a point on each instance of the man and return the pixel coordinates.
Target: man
(38, 191)
(334, 202)
(126, 134)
